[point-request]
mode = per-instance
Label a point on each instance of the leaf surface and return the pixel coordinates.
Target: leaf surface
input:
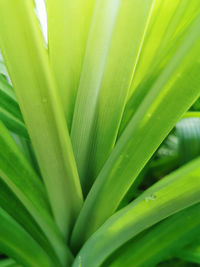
(107, 73)
(27, 61)
(68, 29)
(10, 113)
(177, 87)
(18, 175)
(19, 245)
(173, 193)
(160, 242)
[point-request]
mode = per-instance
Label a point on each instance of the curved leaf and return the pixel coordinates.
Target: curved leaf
(175, 192)
(160, 242)
(171, 95)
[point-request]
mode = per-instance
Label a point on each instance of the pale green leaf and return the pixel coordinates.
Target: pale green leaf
(68, 29)
(107, 73)
(27, 61)
(171, 95)
(169, 19)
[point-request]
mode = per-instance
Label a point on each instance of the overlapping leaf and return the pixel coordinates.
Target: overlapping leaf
(38, 98)
(160, 242)
(191, 253)
(68, 29)
(16, 172)
(175, 192)
(101, 54)
(107, 73)
(9, 110)
(26, 252)
(10, 203)
(177, 87)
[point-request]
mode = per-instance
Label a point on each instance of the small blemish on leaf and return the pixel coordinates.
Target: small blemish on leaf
(150, 198)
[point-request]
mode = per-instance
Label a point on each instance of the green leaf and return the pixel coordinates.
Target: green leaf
(191, 253)
(8, 263)
(171, 95)
(19, 245)
(27, 61)
(160, 242)
(104, 83)
(141, 88)
(10, 203)
(27, 149)
(10, 113)
(191, 114)
(188, 132)
(158, 25)
(169, 19)
(68, 29)
(175, 192)
(17, 173)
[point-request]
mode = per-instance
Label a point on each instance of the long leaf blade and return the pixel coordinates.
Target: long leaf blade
(27, 60)
(67, 45)
(160, 242)
(10, 203)
(104, 83)
(175, 192)
(171, 95)
(17, 173)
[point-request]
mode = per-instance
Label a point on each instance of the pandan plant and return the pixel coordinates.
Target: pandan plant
(92, 170)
